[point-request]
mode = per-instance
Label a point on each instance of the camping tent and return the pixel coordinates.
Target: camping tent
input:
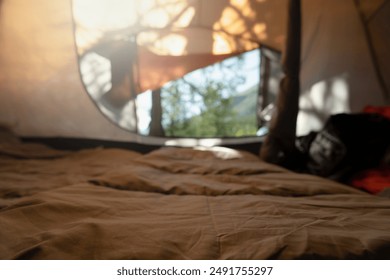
(73, 70)
(344, 56)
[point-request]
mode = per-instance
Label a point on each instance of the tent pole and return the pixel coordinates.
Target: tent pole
(279, 145)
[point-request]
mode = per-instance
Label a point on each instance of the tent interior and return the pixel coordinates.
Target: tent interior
(187, 129)
(344, 67)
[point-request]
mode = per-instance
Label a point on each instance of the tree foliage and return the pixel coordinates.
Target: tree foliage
(202, 104)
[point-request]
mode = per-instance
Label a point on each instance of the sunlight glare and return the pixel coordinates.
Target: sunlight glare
(160, 14)
(190, 142)
(157, 18)
(220, 45)
(172, 44)
(324, 98)
(341, 94)
(220, 152)
(185, 19)
(260, 30)
(236, 29)
(244, 7)
(105, 15)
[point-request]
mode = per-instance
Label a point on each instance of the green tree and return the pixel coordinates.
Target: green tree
(202, 104)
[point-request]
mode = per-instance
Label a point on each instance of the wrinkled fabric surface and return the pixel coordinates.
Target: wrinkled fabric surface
(177, 203)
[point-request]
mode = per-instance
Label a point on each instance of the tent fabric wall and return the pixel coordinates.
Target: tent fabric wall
(378, 25)
(337, 72)
(370, 7)
(40, 89)
(41, 93)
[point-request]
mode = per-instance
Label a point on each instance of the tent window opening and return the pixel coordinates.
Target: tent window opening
(216, 101)
(226, 99)
(231, 98)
